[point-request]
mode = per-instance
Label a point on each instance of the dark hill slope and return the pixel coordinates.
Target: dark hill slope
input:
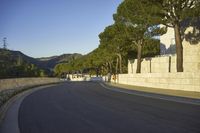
(17, 57)
(50, 62)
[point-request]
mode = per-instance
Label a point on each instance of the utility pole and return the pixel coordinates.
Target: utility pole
(4, 43)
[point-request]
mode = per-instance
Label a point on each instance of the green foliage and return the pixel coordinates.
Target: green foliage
(62, 68)
(139, 25)
(174, 13)
(151, 48)
(132, 24)
(11, 67)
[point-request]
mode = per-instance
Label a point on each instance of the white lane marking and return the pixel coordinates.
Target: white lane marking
(154, 97)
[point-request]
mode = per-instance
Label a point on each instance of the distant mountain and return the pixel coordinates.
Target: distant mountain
(43, 63)
(16, 64)
(50, 62)
(16, 56)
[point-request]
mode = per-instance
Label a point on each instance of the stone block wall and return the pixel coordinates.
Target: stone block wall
(160, 72)
(24, 82)
(167, 63)
(175, 81)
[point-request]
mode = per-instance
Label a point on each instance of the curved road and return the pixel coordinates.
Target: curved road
(87, 107)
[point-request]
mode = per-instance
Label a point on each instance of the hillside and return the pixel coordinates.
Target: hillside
(44, 62)
(50, 62)
(17, 64)
(15, 57)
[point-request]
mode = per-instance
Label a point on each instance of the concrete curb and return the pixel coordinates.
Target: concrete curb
(26, 90)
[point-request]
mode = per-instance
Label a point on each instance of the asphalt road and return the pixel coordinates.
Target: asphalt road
(87, 107)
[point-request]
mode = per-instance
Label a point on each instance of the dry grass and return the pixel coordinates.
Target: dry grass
(189, 94)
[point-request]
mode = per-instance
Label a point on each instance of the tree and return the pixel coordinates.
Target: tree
(139, 23)
(173, 13)
(133, 27)
(115, 41)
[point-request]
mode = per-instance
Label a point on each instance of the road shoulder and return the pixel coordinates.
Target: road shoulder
(162, 94)
(9, 121)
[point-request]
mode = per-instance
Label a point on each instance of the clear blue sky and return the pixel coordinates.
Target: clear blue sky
(41, 28)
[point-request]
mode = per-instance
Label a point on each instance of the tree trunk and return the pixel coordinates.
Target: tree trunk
(139, 55)
(107, 67)
(110, 71)
(110, 67)
(97, 72)
(120, 63)
(117, 64)
(179, 49)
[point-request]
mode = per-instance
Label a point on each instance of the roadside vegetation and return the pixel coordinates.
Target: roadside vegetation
(13, 67)
(15, 64)
(135, 34)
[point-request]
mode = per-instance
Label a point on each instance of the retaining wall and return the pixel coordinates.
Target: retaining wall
(167, 63)
(24, 82)
(160, 71)
(174, 81)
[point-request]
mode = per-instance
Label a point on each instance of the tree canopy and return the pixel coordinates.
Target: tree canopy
(139, 25)
(134, 34)
(176, 14)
